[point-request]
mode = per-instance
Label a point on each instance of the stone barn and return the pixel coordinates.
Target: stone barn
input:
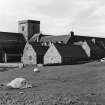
(11, 47)
(63, 54)
(33, 53)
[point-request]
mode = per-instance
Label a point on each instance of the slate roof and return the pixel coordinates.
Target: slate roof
(54, 39)
(11, 37)
(40, 50)
(67, 39)
(38, 35)
(100, 42)
(82, 38)
(97, 48)
(50, 38)
(79, 37)
(12, 42)
(96, 51)
(71, 51)
(34, 37)
(35, 43)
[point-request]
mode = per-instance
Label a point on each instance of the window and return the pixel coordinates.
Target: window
(22, 28)
(30, 57)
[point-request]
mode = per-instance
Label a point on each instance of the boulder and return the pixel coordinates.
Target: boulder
(19, 83)
(36, 70)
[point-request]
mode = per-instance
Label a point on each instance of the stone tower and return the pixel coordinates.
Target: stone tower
(28, 28)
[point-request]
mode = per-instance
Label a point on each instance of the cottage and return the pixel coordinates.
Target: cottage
(58, 54)
(33, 53)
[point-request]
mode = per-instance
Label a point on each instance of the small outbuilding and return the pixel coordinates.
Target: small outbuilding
(33, 53)
(63, 54)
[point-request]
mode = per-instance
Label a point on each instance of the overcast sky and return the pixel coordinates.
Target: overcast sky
(85, 17)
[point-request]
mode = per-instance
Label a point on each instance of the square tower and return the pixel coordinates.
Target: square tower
(28, 28)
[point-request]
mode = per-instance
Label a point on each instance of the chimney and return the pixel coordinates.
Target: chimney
(72, 33)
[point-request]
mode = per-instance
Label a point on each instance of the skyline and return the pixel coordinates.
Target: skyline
(57, 17)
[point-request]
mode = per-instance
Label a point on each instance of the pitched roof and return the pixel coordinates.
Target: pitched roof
(35, 43)
(14, 50)
(71, 51)
(40, 50)
(100, 42)
(67, 39)
(79, 37)
(82, 38)
(96, 50)
(12, 42)
(35, 36)
(50, 38)
(11, 37)
(54, 39)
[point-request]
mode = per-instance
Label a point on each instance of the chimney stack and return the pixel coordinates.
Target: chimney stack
(72, 33)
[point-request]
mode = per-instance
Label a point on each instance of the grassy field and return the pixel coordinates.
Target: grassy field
(82, 81)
